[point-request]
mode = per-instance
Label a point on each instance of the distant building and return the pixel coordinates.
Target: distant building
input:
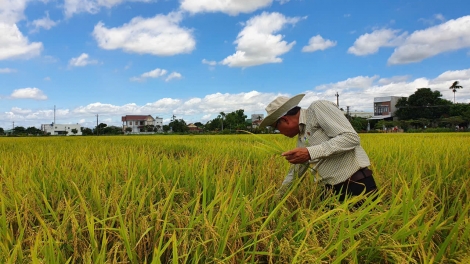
(384, 107)
(193, 128)
(256, 120)
(139, 123)
(61, 129)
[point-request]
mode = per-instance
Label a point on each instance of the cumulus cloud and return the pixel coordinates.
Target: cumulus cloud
(231, 7)
(371, 42)
(44, 22)
(81, 61)
(151, 74)
(394, 79)
(160, 35)
(256, 43)
(356, 92)
(350, 83)
(318, 43)
(28, 93)
(451, 35)
(210, 63)
(7, 70)
(14, 45)
(12, 11)
(451, 76)
(173, 75)
(72, 7)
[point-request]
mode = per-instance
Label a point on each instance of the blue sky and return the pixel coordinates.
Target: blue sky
(196, 58)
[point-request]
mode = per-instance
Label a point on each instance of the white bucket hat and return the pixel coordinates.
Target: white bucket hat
(279, 107)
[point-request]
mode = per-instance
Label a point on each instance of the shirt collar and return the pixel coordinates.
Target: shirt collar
(302, 121)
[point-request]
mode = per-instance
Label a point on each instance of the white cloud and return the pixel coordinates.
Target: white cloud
(371, 42)
(451, 76)
(21, 111)
(283, 1)
(47, 78)
(11, 11)
(318, 43)
(151, 74)
(436, 17)
(210, 63)
(81, 61)
(28, 93)
(44, 22)
(357, 92)
(350, 83)
(422, 44)
(7, 70)
(256, 43)
(173, 75)
(160, 35)
(231, 7)
(395, 79)
(92, 6)
(14, 45)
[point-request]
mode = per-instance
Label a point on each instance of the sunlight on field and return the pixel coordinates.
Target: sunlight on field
(209, 199)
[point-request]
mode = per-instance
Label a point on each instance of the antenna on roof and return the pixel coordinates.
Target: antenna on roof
(173, 118)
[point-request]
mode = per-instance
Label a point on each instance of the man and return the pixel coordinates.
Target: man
(325, 139)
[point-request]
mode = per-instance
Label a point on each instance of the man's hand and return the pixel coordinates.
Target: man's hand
(297, 155)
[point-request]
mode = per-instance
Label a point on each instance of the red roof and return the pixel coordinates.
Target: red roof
(135, 117)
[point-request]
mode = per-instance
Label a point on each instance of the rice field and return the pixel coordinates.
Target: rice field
(210, 199)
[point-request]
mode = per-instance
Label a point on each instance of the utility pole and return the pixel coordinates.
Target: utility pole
(347, 113)
(337, 99)
(54, 114)
(97, 128)
(13, 125)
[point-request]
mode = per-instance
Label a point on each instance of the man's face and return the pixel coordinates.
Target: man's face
(288, 125)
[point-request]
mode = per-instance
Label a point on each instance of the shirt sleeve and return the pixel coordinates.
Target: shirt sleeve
(342, 135)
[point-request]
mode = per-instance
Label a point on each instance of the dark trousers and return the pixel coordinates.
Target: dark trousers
(360, 182)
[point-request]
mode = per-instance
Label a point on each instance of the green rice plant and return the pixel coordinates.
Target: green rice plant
(210, 199)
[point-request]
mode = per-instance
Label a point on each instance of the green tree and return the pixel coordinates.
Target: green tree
(2, 131)
(214, 124)
(74, 131)
(236, 120)
(19, 130)
(128, 129)
(179, 125)
(33, 131)
(358, 123)
(455, 85)
(452, 121)
(424, 103)
(222, 115)
(166, 128)
(86, 131)
(99, 128)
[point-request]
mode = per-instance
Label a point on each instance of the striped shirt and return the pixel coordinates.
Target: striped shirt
(333, 144)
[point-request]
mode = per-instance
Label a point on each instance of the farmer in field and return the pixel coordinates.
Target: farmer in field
(326, 140)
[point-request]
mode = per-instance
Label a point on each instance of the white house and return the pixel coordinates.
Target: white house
(138, 123)
(61, 129)
(256, 120)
